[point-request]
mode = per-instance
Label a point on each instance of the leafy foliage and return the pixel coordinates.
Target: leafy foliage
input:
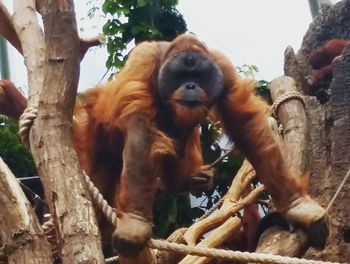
(171, 211)
(139, 20)
(249, 71)
(14, 154)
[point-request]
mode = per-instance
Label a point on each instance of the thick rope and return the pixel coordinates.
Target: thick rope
(341, 186)
(284, 98)
(200, 251)
(112, 259)
(25, 123)
(98, 199)
(230, 254)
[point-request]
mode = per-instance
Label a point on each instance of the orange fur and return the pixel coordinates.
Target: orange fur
(101, 126)
(325, 54)
(322, 60)
(126, 140)
(244, 118)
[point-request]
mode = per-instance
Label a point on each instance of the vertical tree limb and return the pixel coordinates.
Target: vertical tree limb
(27, 27)
(328, 125)
(53, 70)
(276, 240)
(7, 29)
(22, 238)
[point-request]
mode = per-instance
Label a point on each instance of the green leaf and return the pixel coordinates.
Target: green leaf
(14, 154)
(142, 3)
(197, 212)
(137, 29)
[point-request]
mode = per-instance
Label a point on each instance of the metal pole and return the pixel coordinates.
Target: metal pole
(317, 5)
(4, 59)
(314, 7)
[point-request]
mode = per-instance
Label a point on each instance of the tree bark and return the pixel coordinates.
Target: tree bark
(339, 246)
(333, 22)
(172, 257)
(53, 70)
(291, 113)
(328, 115)
(7, 29)
(22, 238)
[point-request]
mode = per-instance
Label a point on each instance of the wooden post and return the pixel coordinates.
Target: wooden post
(23, 240)
(291, 113)
(53, 70)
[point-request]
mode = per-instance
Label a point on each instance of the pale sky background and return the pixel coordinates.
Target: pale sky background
(248, 32)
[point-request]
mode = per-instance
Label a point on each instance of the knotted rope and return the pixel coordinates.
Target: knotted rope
(25, 123)
(284, 98)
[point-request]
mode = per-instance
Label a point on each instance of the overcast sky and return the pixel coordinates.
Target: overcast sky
(248, 32)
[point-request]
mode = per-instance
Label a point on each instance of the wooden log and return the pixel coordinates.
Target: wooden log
(293, 118)
(172, 257)
(7, 29)
(276, 240)
(292, 115)
(328, 126)
(224, 219)
(240, 182)
(22, 239)
(215, 239)
(53, 69)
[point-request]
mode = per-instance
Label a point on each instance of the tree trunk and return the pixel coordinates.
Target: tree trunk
(339, 245)
(291, 113)
(53, 70)
(22, 238)
(328, 114)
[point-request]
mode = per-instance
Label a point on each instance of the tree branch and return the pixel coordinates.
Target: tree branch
(9, 33)
(7, 29)
(23, 240)
(86, 44)
(26, 24)
(53, 71)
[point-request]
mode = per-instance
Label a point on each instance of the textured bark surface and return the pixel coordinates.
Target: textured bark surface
(328, 115)
(332, 23)
(292, 115)
(7, 29)
(277, 241)
(172, 257)
(22, 238)
(53, 70)
(339, 246)
(225, 219)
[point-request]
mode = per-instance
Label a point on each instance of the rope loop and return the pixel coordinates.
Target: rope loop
(25, 123)
(284, 98)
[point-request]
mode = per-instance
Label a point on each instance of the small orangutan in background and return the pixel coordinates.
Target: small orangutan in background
(140, 132)
(322, 60)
